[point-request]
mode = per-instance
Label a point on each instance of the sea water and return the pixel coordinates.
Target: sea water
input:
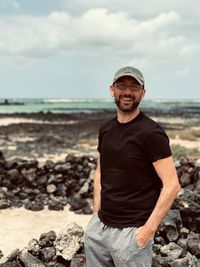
(68, 105)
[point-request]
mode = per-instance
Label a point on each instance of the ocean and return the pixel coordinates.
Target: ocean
(69, 105)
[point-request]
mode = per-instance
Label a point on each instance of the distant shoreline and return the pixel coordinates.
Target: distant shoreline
(52, 135)
(90, 105)
(7, 102)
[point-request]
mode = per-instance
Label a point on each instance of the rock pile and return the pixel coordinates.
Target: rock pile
(51, 250)
(176, 245)
(24, 183)
(177, 241)
(188, 201)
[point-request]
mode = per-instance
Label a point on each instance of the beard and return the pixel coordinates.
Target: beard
(128, 105)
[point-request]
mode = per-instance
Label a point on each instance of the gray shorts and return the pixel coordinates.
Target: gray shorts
(107, 246)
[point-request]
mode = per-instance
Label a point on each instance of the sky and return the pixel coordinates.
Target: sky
(72, 48)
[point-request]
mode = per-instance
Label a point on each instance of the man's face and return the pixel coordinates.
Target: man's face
(127, 93)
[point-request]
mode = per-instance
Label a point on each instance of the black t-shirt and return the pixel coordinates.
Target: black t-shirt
(130, 185)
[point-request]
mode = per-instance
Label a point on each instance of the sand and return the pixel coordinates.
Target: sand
(185, 143)
(18, 226)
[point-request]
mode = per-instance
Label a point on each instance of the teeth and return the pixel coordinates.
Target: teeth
(127, 99)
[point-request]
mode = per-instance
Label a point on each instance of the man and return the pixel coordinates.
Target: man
(135, 181)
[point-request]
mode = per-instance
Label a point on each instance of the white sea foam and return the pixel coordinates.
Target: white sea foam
(9, 121)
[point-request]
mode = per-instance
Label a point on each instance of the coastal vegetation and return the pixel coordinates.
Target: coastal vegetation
(181, 151)
(190, 134)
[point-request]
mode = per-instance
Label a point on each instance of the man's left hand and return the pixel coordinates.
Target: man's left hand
(143, 234)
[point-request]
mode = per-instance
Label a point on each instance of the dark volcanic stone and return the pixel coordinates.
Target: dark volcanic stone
(185, 179)
(159, 240)
(2, 160)
(79, 168)
(193, 246)
(189, 208)
(184, 262)
(17, 203)
(33, 247)
(55, 205)
(53, 178)
(33, 205)
(1, 253)
(49, 165)
(63, 168)
(71, 158)
(10, 164)
(159, 261)
(87, 209)
(47, 239)
(29, 174)
(5, 203)
(57, 264)
(76, 202)
(184, 232)
(48, 254)
(11, 264)
(29, 260)
(42, 180)
(172, 250)
(13, 175)
(61, 190)
(14, 255)
(171, 224)
(182, 242)
(31, 164)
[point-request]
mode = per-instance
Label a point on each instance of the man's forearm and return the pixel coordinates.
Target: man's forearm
(97, 189)
(164, 203)
(97, 194)
(166, 171)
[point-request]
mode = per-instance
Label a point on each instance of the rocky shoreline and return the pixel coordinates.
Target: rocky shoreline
(48, 135)
(177, 241)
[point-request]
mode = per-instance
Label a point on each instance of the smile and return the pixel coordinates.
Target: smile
(127, 99)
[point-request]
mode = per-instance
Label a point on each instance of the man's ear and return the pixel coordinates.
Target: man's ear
(112, 90)
(143, 93)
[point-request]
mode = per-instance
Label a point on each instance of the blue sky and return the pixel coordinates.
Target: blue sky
(63, 49)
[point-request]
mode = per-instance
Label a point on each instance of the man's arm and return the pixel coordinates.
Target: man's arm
(167, 172)
(97, 188)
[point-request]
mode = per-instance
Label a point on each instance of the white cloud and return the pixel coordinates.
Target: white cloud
(97, 31)
(138, 8)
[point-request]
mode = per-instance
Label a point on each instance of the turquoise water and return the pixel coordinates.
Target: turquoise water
(86, 105)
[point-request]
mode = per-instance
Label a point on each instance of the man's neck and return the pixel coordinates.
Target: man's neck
(124, 117)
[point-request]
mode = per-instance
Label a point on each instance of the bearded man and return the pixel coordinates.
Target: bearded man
(135, 182)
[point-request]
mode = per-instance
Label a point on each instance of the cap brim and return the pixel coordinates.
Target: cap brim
(133, 76)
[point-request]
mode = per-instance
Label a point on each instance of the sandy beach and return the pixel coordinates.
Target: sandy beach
(28, 137)
(18, 226)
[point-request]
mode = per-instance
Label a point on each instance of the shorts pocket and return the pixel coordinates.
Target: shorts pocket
(142, 255)
(90, 224)
(135, 243)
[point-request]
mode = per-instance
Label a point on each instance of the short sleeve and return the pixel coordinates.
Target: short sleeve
(157, 145)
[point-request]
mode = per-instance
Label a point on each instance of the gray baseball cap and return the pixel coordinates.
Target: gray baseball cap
(129, 71)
